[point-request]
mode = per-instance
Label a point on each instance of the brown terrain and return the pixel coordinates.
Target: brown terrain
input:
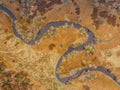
(39, 60)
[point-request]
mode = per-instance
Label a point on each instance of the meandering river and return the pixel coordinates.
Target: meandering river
(43, 30)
